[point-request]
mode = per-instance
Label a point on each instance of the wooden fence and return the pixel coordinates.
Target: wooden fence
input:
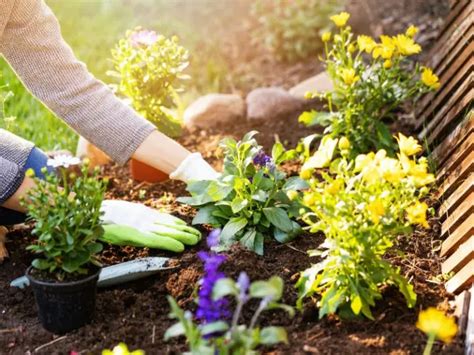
(445, 121)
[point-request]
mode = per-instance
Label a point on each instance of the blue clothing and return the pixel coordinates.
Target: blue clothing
(37, 160)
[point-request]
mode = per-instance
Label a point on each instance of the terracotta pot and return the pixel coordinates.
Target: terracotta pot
(143, 172)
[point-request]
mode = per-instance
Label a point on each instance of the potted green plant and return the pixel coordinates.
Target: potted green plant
(65, 207)
(149, 67)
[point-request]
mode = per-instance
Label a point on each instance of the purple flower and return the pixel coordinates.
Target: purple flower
(213, 238)
(243, 282)
(210, 310)
(143, 38)
(262, 160)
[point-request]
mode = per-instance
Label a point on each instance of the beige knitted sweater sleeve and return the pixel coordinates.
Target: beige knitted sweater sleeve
(30, 40)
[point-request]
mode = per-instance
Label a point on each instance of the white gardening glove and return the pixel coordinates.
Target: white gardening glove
(194, 167)
(148, 220)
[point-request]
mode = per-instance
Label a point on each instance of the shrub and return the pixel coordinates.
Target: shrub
(252, 198)
(361, 206)
(291, 29)
(371, 80)
(66, 211)
(219, 330)
(150, 69)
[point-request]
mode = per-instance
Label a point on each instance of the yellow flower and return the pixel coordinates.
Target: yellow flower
(334, 187)
(30, 173)
(351, 48)
(337, 38)
(417, 172)
(122, 349)
(309, 199)
(435, 323)
(344, 143)
(387, 64)
(406, 45)
(323, 156)
(429, 78)
(362, 161)
(306, 174)
(340, 19)
(326, 36)
(412, 31)
(416, 214)
(292, 194)
(366, 43)
(408, 145)
(391, 170)
(385, 49)
(376, 210)
(349, 76)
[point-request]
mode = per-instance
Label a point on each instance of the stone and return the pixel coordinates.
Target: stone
(268, 103)
(318, 83)
(210, 109)
(86, 149)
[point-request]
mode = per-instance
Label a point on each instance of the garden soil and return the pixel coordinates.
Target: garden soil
(137, 313)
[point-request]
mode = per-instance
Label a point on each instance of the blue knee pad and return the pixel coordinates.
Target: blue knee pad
(37, 160)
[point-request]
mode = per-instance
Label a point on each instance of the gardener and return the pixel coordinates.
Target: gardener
(31, 41)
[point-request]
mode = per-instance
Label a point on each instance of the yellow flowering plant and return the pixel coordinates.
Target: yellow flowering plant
(361, 205)
(372, 79)
(436, 325)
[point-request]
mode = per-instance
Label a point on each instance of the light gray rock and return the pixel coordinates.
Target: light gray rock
(319, 83)
(268, 103)
(208, 110)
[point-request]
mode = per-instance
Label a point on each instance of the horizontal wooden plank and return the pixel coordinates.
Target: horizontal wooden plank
(465, 209)
(448, 90)
(458, 236)
(455, 158)
(460, 42)
(456, 198)
(443, 150)
(462, 279)
(459, 104)
(460, 257)
(456, 177)
(462, 62)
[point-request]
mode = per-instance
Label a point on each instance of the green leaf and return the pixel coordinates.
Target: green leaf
(277, 151)
(356, 304)
(312, 118)
(273, 335)
(258, 244)
(224, 287)
(272, 288)
(40, 264)
(248, 239)
(279, 218)
(295, 183)
(238, 204)
(205, 216)
(175, 330)
(215, 327)
(232, 227)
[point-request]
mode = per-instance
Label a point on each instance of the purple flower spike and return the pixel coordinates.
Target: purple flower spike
(143, 38)
(208, 310)
(213, 238)
(261, 159)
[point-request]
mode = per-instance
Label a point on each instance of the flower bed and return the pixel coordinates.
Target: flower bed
(137, 313)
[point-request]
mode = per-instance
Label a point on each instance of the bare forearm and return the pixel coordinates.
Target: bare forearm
(13, 202)
(161, 152)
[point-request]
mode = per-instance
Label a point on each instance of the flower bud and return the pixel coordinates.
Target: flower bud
(292, 194)
(344, 143)
(306, 174)
(30, 173)
(326, 36)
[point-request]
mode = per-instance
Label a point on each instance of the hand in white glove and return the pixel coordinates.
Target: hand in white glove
(194, 167)
(149, 222)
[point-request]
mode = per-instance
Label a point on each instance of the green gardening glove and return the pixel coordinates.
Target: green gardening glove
(127, 223)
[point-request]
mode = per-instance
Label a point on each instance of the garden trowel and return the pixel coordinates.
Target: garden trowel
(119, 273)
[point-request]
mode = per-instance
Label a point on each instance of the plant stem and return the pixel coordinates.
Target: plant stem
(429, 344)
(236, 316)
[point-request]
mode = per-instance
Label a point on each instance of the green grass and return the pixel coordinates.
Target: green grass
(92, 27)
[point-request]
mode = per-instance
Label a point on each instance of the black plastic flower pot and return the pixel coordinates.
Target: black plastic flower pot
(64, 306)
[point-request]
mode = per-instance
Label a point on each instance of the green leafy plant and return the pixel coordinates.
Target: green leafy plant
(5, 95)
(371, 81)
(291, 29)
(66, 210)
(361, 206)
(224, 337)
(252, 199)
(150, 69)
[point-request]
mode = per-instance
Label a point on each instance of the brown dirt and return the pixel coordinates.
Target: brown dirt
(134, 312)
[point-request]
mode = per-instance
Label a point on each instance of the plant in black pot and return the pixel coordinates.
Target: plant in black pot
(65, 208)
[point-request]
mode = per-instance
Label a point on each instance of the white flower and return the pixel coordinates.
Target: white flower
(63, 160)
